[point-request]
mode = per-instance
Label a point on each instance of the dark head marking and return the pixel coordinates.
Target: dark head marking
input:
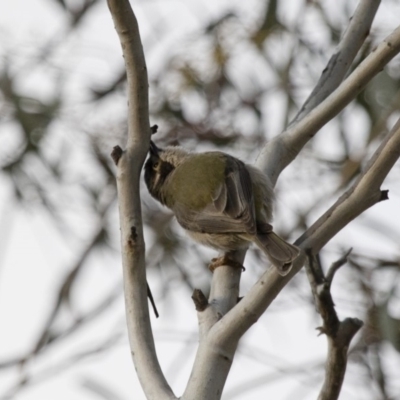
(156, 172)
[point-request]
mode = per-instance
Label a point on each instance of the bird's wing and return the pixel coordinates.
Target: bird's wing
(232, 206)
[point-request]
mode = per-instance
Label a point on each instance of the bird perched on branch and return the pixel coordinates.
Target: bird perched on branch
(220, 201)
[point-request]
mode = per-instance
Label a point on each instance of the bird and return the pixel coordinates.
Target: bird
(219, 200)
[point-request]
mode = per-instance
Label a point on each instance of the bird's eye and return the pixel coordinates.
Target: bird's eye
(156, 165)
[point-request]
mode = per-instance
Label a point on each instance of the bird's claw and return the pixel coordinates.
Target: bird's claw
(224, 260)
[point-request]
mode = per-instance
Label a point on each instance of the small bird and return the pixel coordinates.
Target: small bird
(219, 200)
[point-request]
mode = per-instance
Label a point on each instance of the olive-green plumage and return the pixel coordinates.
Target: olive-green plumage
(200, 175)
(219, 200)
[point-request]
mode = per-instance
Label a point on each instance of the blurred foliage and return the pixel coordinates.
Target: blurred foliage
(232, 84)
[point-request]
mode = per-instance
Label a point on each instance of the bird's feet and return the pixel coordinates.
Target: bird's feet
(224, 260)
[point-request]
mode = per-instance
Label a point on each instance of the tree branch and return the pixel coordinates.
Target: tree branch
(222, 324)
(341, 61)
(130, 163)
(225, 281)
(219, 337)
(339, 333)
(213, 359)
(335, 267)
(364, 193)
(336, 363)
(283, 149)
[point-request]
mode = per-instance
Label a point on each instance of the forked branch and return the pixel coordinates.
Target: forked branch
(339, 333)
(283, 149)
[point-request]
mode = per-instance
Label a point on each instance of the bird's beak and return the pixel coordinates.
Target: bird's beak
(154, 150)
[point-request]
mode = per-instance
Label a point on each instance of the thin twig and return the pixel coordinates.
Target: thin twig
(336, 265)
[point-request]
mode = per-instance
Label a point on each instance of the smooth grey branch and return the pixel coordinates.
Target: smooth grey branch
(130, 163)
(283, 149)
(341, 61)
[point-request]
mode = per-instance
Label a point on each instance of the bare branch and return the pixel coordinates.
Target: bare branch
(336, 265)
(116, 154)
(339, 333)
(322, 296)
(337, 358)
(283, 149)
(214, 359)
(211, 367)
(132, 243)
(225, 286)
(138, 99)
(341, 61)
(64, 292)
(99, 389)
(152, 302)
(27, 380)
(364, 193)
(219, 344)
(200, 301)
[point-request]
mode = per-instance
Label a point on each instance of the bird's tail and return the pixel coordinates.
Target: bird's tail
(280, 253)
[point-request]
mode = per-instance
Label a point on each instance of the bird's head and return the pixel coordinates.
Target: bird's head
(159, 165)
